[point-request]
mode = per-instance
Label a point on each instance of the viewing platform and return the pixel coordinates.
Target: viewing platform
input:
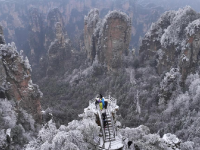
(109, 139)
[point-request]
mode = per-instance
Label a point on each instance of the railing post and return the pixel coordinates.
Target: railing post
(99, 112)
(113, 126)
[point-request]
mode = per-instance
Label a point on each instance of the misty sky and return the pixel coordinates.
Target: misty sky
(168, 4)
(174, 4)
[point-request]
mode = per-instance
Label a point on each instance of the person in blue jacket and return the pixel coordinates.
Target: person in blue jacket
(102, 100)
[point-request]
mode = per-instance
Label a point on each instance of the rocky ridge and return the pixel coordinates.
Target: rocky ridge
(2, 40)
(107, 39)
(90, 22)
(20, 108)
(36, 36)
(19, 19)
(53, 17)
(16, 83)
(50, 45)
(59, 52)
(173, 41)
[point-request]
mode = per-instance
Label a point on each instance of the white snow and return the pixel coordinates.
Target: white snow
(174, 34)
(170, 139)
(184, 58)
(92, 18)
(160, 53)
(193, 27)
(158, 28)
(173, 28)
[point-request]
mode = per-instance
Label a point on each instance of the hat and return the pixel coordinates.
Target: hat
(100, 96)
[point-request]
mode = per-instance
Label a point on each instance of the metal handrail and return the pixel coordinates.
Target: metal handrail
(113, 126)
(113, 100)
(99, 113)
(108, 131)
(111, 105)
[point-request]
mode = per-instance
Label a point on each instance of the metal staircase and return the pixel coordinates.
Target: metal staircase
(109, 127)
(109, 140)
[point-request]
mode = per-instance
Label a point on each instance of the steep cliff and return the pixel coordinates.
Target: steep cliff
(57, 43)
(110, 38)
(36, 36)
(18, 17)
(2, 40)
(173, 41)
(16, 83)
(59, 52)
(20, 109)
(114, 39)
(53, 17)
(90, 21)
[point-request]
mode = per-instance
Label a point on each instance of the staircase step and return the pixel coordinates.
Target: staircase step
(108, 120)
(110, 126)
(109, 135)
(108, 140)
(110, 130)
(107, 131)
(108, 123)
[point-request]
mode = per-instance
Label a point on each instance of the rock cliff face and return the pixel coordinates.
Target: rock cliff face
(110, 38)
(53, 17)
(16, 83)
(59, 52)
(2, 40)
(90, 21)
(36, 36)
(22, 21)
(57, 43)
(173, 41)
(114, 39)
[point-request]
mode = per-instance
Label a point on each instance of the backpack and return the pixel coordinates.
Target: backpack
(101, 105)
(103, 102)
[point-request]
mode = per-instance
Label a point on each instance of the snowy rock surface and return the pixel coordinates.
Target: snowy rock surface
(2, 40)
(107, 39)
(15, 80)
(36, 34)
(142, 139)
(91, 21)
(79, 135)
(58, 44)
(176, 34)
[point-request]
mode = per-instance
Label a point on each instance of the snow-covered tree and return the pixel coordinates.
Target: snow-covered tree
(78, 135)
